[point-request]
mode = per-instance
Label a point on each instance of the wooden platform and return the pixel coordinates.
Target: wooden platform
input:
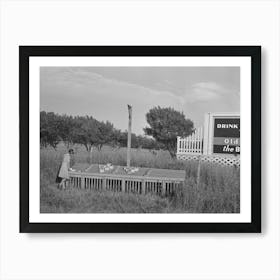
(117, 179)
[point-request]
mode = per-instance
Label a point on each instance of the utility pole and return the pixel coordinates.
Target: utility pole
(129, 136)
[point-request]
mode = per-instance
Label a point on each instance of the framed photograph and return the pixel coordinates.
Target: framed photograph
(140, 139)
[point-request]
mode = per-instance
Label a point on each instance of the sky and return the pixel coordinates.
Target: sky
(104, 92)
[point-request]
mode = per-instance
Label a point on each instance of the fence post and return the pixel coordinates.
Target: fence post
(143, 187)
(82, 182)
(163, 190)
(103, 184)
(123, 185)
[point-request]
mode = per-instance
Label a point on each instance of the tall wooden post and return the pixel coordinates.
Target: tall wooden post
(129, 135)
(198, 172)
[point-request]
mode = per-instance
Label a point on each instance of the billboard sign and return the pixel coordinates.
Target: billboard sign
(226, 136)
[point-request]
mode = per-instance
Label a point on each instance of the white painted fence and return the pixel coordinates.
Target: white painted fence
(198, 145)
(192, 144)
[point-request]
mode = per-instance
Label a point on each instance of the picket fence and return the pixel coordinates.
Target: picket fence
(192, 144)
(191, 148)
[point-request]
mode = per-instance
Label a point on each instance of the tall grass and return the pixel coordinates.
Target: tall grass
(217, 192)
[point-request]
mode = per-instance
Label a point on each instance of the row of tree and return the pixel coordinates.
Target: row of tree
(165, 124)
(86, 131)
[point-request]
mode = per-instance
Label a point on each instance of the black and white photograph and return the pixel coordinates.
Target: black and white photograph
(140, 138)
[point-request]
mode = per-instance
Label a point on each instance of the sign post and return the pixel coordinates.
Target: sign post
(198, 172)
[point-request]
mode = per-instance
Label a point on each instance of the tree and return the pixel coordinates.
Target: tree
(49, 129)
(91, 133)
(66, 126)
(85, 131)
(105, 134)
(165, 125)
(119, 139)
(148, 143)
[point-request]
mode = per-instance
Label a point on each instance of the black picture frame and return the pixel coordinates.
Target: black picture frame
(25, 52)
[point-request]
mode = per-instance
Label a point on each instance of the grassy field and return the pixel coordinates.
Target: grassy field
(218, 191)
